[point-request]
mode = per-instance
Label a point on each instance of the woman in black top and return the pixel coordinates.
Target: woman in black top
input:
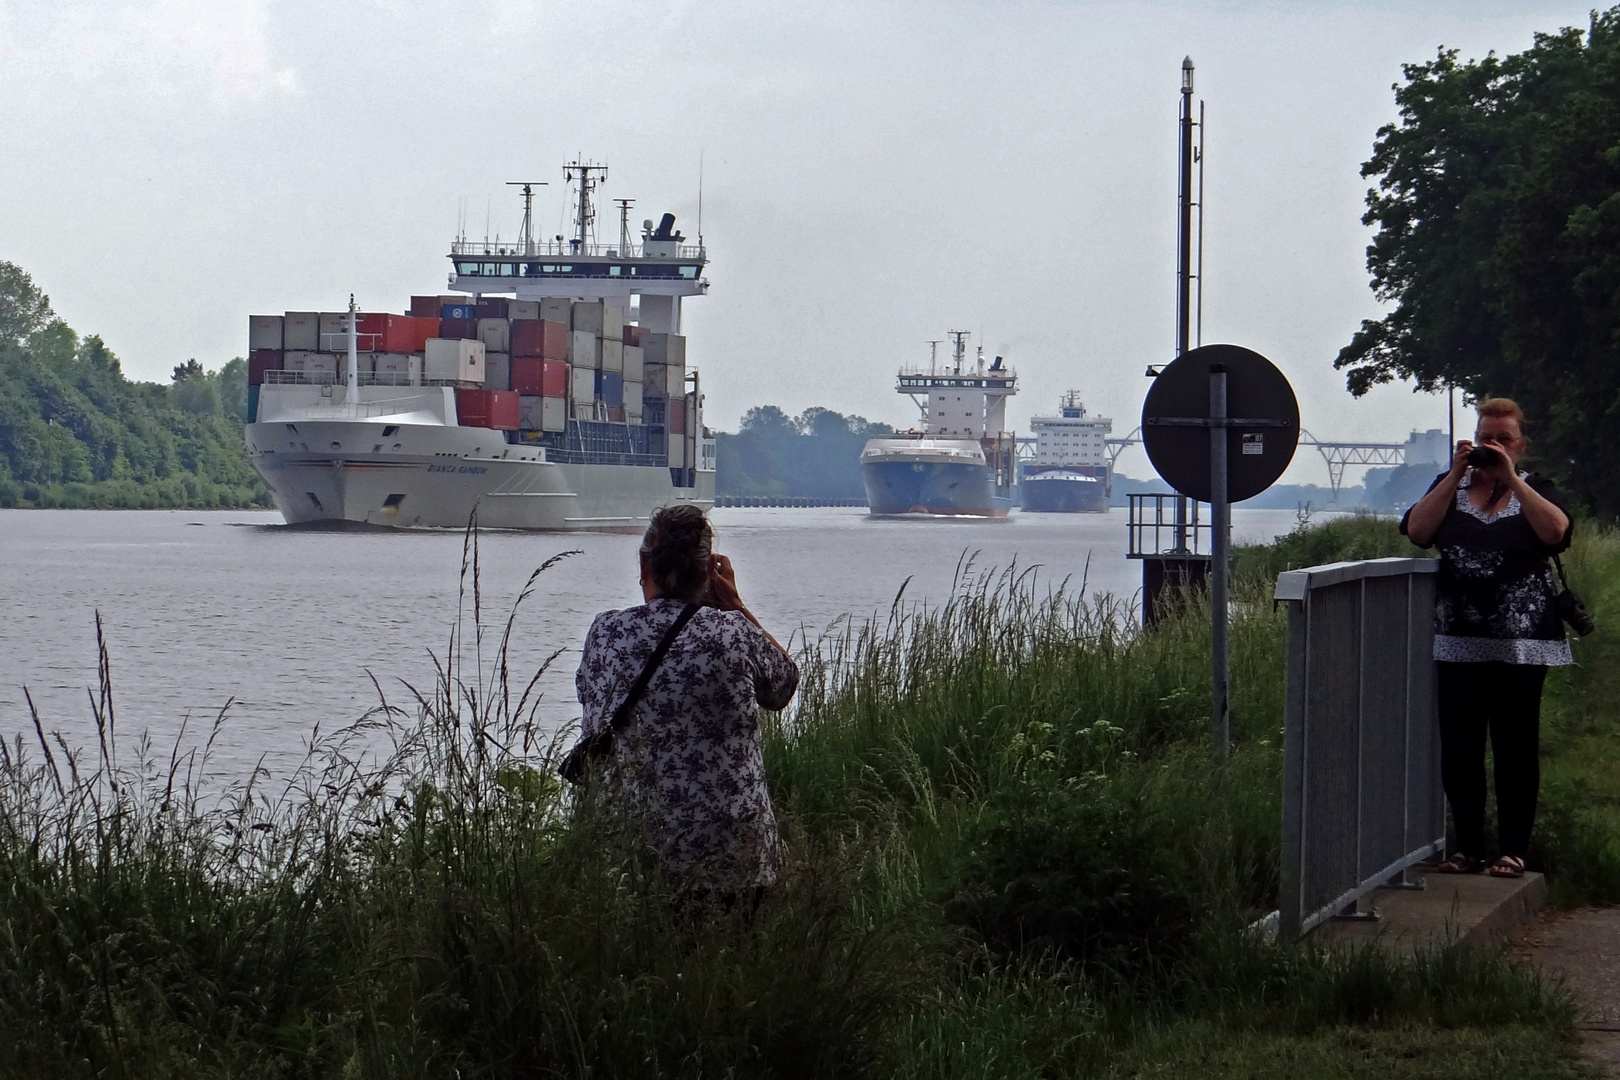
(1497, 630)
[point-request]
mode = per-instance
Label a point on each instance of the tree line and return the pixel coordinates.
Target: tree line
(815, 454)
(74, 432)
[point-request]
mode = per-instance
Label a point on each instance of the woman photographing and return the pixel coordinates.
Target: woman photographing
(1497, 629)
(686, 755)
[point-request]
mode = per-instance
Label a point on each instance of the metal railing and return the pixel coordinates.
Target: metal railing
(1166, 525)
(1362, 800)
(539, 249)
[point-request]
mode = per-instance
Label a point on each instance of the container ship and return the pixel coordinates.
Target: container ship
(1071, 472)
(962, 462)
(550, 389)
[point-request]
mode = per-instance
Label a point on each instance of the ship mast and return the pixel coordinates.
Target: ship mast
(958, 348)
(526, 234)
(352, 398)
(624, 224)
(586, 214)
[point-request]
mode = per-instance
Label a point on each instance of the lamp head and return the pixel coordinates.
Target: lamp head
(1187, 75)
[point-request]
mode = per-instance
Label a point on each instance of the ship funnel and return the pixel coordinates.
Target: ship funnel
(666, 228)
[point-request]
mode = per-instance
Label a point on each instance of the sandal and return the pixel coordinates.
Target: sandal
(1508, 866)
(1459, 863)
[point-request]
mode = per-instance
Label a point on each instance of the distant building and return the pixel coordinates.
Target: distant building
(1428, 448)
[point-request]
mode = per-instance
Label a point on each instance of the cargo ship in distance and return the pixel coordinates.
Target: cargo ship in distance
(1071, 471)
(961, 464)
(549, 390)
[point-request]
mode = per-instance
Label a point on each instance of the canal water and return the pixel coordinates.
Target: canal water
(292, 626)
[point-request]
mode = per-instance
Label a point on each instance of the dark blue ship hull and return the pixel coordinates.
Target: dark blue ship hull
(916, 487)
(1060, 491)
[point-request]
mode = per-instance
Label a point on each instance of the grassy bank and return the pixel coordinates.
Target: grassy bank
(1009, 857)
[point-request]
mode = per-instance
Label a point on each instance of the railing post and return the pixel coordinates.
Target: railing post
(1290, 898)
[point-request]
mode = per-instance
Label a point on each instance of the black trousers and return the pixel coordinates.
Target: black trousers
(1504, 701)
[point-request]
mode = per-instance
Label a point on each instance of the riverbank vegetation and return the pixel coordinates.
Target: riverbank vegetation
(1010, 856)
(74, 432)
(815, 455)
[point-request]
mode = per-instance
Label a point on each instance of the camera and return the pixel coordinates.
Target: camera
(1481, 458)
(1573, 611)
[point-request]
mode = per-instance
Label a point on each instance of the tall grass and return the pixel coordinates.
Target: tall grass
(1009, 855)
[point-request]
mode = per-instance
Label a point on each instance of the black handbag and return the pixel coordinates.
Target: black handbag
(576, 764)
(1570, 607)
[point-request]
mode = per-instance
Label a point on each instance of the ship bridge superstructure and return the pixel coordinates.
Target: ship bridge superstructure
(656, 264)
(1072, 437)
(959, 399)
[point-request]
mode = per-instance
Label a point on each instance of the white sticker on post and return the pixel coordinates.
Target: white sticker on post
(1254, 443)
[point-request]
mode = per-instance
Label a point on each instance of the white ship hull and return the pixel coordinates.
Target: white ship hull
(404, 470)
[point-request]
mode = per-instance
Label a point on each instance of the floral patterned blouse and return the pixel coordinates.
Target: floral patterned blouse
(689, 761)
(1495, 589)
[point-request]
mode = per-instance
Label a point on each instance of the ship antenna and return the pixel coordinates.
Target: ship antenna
(587, 214)
(933, 353)
(700, 197)
(526, 234)
(624, 224)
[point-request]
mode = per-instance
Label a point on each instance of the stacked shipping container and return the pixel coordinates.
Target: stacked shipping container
(525, 365)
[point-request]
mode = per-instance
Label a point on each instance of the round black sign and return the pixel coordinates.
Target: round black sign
(1261, 438)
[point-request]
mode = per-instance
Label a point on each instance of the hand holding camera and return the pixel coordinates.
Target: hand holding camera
(1480, 456)
(723, 584)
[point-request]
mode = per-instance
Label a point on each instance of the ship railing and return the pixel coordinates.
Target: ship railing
(331, 378)
(568, 249)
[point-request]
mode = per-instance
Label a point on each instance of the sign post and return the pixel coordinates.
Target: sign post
(1202, 405)
(1220, 512)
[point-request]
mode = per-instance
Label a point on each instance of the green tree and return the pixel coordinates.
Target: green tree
(1498, 244)
(24, 309)
(196, 390)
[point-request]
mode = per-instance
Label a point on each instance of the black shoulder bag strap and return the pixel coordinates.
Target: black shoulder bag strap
(575, 765)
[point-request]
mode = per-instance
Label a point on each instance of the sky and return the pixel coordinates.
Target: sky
(874, 173)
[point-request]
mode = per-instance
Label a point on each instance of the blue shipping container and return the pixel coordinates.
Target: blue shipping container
(458, 311)
(610, 388)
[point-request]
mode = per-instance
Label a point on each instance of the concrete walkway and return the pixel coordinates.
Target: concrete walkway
(1473, 908)
(1582, 950)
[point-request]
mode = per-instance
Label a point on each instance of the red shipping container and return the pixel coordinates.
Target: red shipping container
(369, 332)
(261, 361)
(497, 409)
(527, 375)
(539, 337)
(632, 334)
(425, 307)
(491, 307)
(677, 416)
(406, 333)
(539, 378)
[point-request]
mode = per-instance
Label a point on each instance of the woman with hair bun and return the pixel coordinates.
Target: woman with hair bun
(687, 757)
